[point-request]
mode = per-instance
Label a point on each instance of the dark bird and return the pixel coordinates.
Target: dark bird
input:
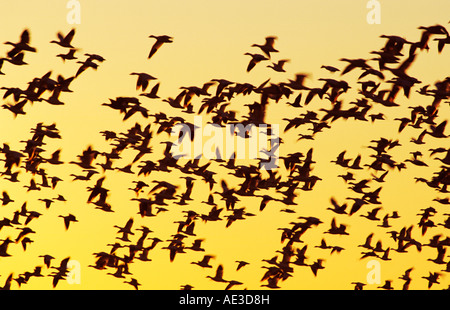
(268, 46)
(134, 283)
(335, 230)
(26, 241)
(47, 259)
(341, 160)
(406, 274)
(265, 201)
(60, 198)
(204, 262)
(256, 58)
(380, 179)
(16, 59)
(218, 277)
(4, 247)
(88, 63)
(347, 177)
(153, 92)
(7, 285)
(337, 208)
(65, 41)
(231, 284)
(87, 158)
(22, 45)
(354, 63)
(428, 32)
(160, 40)
(54, 159)
(404, 121)
(143, 80)
(126, 230)
(372, 215)
(387, 285)
(278, 66)
(241, 264)
(357, 204)
(17, 108)
(330, 68)
(24, 232)
(442, 42)
(358, 286)
(68, 219)
(70, 55)
(196, 246)
(367, 244)
(438, 131)
(272, 283)
(432, 278)
(48, 202)
(316, 266)
(296, 103)
(31, 215)
(5, 198)
(94, 57)
(385, 223)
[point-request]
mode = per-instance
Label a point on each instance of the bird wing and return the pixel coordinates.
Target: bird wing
(155, 48)
(219, 272)
(70, 36)
(25, 37)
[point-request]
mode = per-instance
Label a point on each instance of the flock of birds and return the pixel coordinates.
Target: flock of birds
(393, 59)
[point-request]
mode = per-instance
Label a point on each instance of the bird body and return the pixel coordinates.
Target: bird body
(65, 41)
(255, 59)
(160, 40)
(68, 219)
(268, 46)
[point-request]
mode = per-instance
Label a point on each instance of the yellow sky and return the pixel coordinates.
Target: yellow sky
(210, 39)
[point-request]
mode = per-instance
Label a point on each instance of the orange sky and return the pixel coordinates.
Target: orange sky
(210, 39)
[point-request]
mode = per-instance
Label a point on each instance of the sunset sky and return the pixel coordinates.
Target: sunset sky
(210, 39)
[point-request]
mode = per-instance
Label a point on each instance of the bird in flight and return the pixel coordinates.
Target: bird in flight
(255, 59)
(65, 41)
(268, 46)
(160, 40)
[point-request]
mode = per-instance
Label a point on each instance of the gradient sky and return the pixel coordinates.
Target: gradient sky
(210, 39)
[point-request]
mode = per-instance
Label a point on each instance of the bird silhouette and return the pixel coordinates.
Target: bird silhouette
(387, 285)
(204, 262)
(160, 40)
(218, 277)
(22, 45)
(278, 66)
(134, 283)
(68, 219)
(126, 230)
(268, 46)
(339, 230)
(255, 59)
(70, 55)
(4, 247)
(65, 40)
(143, 80)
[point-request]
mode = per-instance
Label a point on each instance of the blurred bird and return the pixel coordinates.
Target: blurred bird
(160, 40)
(65, 41)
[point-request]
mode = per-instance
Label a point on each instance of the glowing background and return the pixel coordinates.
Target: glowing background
(210, 38)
